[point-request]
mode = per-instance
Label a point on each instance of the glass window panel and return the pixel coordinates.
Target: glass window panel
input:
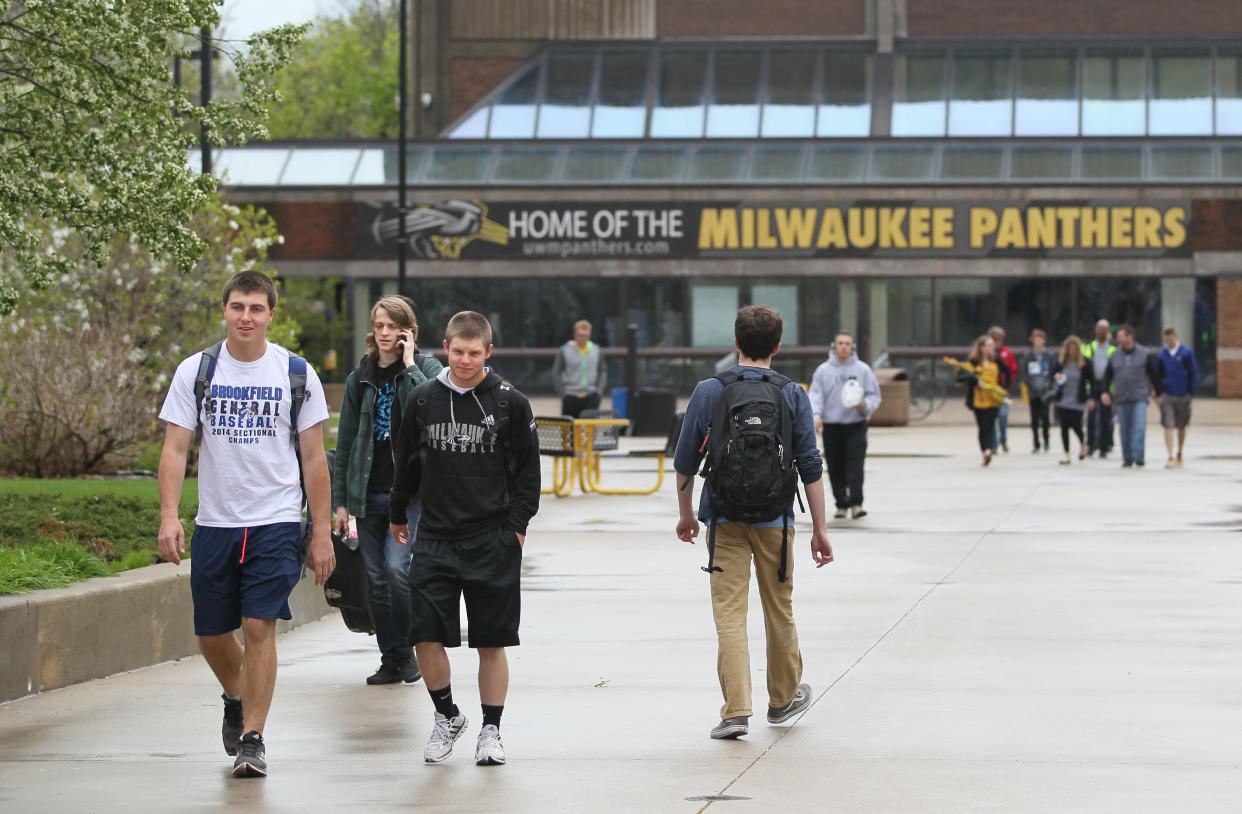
(525, 164)
(678, 111)
(1229, 93)
(658, 164)
(474, 125)
(971, 162)
(320, 167)
(717, 163)
(776, 163)
(1231, 162)
(837, 163)
(621, 110)
(789, 108)
(1112, 162)
(1047, 103)
(1181, 161)
(513, 112)
(379, 165)
(1181, 97)
(784, 298)
(846, 107)
(1114, 94)
(713, 309)
(734, 111)
(981, 102)
(918, 96)
(594, 163)
(458, 164)
(902, 163)
(1041, 162)
(251, 167)
(566, 108)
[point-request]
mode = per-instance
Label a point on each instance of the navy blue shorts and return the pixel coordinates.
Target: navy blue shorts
(242, 572)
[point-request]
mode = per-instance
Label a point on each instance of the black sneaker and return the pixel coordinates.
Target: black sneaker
(386, 674)
(231, 731)
(251, 760)
(799, 703)
(410, 672)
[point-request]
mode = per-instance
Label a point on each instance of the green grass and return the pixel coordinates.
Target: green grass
(111, 525)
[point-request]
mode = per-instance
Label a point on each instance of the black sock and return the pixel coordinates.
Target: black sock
(491, 715)
(443, 699)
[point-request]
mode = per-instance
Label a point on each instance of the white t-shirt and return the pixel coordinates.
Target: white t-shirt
(247, 469)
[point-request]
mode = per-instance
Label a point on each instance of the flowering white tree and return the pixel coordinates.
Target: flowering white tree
(93, 131)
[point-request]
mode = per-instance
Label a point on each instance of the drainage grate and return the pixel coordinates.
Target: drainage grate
(715, 798)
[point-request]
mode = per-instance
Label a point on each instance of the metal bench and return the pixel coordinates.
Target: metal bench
(556, 440)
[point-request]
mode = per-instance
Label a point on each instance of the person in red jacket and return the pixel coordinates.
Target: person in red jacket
(1006, 360)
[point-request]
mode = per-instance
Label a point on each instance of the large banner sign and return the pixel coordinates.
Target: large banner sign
(479, 230)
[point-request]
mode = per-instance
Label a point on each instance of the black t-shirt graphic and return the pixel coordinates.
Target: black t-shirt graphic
(381, 428)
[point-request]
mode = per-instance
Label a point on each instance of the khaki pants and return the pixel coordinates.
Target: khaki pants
(736, 545)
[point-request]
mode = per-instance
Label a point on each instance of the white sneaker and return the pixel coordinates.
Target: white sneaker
(445, 732)
(489, 751)
(840, 514)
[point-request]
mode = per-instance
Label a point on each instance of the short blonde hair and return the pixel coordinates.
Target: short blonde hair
(469, 325)
(582, 323)
(399, 311)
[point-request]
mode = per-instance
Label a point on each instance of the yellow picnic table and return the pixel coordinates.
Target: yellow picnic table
(573, 445)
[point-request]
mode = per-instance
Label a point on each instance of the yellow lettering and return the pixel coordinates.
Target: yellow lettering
(1094, 227)
(767, 240)
(1174, 227)
(1122, 223)
(1011, 235)
(862, 228)
(891, 234)
(1041, 228)
(1068, 217)
(920, 227)
(1147, 227)
(983, 222)
(748, 228)
(796, 227)
(718, 229)
(942, 227)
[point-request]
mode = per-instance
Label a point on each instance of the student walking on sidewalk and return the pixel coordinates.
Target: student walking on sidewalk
(1008, 364)
(1129, 382)
(1097, 352)
(737, 419)
(1178, 374)
(1036, 368)
(363, 473)
(1075, 384)
(466, 446)
(844, 395)
(986, 384)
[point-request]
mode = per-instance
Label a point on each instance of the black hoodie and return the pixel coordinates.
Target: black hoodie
(457, 463)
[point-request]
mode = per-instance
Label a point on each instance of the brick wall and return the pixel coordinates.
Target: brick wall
(314, 230)
(1073, 18)
(1229, 337)
(471, 79)
(770, 18)
(1216, 225)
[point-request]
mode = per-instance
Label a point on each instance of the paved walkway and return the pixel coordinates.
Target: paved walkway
(1027, 638)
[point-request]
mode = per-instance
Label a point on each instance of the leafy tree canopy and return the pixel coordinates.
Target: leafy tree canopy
(93, 134)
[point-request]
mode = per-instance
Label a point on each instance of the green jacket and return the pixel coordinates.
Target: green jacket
(355, 445)
(1089, 349)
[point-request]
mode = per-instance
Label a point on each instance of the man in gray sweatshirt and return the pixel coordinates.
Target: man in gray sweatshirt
(844, 395)
(579, 373)
(1129, 382)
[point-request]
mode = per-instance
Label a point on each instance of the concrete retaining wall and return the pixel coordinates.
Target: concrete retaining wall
(51, 639)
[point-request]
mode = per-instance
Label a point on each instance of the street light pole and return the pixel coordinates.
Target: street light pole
(205, 54)
(401, 136)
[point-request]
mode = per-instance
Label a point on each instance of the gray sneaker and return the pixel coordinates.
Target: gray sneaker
(801, 700)
(443, 735)
(731, 728)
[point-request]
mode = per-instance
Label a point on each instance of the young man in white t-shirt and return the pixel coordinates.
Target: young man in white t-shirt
(247, 558)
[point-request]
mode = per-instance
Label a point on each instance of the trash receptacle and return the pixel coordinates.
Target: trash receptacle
(619, 405)
(894, 398)
(651, 412)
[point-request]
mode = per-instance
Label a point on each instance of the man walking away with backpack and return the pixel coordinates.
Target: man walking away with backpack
(1178, 375)
(756, 428)
(466, 445)
(844, 396)
(261, 410)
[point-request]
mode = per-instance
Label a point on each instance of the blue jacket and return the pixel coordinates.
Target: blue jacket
(699, 414)
(1179, 373)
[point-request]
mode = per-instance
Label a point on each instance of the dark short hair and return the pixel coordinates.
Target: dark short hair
(1169, 330)
(469, 325)
(757, 331)
(1127, 327)
(842, 333)
(250, 282)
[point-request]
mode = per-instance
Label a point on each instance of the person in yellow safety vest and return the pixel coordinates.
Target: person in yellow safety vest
(1099, 419)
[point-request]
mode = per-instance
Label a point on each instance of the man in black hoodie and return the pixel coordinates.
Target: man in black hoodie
(465, 444)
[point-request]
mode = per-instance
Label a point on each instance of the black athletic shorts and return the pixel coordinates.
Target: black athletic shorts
(487, 569)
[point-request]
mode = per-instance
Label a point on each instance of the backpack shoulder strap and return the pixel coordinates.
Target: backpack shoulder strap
(206, 370)
(728, 377)
(297, 393)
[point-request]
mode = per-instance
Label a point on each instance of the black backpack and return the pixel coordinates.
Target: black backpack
(749, 466)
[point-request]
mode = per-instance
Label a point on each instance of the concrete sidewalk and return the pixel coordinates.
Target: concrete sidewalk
(1029, 637)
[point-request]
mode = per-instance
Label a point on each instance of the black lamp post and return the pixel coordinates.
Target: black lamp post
(401, 137)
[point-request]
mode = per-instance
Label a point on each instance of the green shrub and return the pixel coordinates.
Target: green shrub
(32, 568)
